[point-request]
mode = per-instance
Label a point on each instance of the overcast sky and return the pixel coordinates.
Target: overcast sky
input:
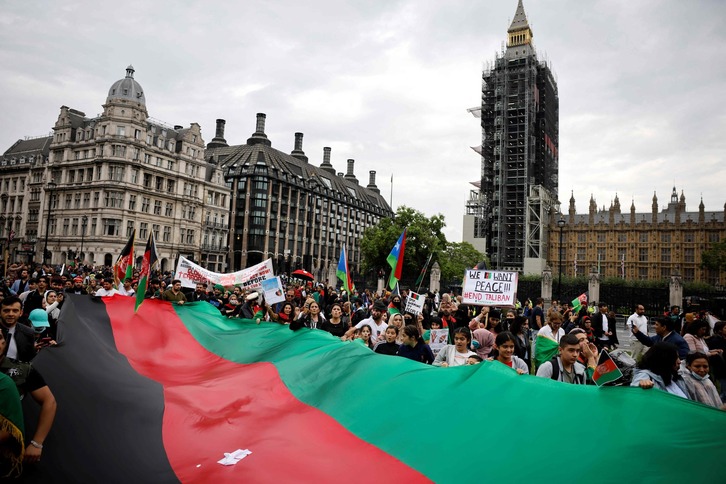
(642, 84)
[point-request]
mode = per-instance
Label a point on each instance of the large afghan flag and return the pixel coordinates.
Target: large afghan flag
(160, 395)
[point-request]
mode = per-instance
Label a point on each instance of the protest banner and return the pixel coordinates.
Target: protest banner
(439, 339)
(415, 303)
(272, 290)
(489, 288)
(190, 274)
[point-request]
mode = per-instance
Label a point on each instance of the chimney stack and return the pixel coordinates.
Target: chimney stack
(327, 166)
(259, 136)
(349, 175)
(372, 182)
(218, 141)
(178, 127)
(298, 151)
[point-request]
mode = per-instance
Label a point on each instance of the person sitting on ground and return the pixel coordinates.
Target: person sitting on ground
(506, 343)
(659, 368)
(413, 346)
(698, 385)
(173, 294)
(389, 346)
(456, 354)
(565, 367)
(663, 333)
(28, 380)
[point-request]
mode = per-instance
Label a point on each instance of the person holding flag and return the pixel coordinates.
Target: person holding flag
(124, 266)
(147, 265)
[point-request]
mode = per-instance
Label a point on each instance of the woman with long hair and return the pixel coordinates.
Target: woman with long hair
(458, 353)
(659, 369)
(311, 317)
(335, 324)
(520, 330)
(413, 346)
(506, 343)
(286, 314)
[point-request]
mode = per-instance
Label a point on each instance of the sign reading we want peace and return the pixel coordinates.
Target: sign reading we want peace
(490, 288)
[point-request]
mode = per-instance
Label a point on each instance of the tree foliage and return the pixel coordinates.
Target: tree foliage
(458, 257)
(715, 257)
(424, 237)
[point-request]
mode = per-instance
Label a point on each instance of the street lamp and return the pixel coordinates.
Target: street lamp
(84, 222)
(561, 224)
(50, 188)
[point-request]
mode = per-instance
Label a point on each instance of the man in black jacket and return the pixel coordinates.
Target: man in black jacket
(19, 336)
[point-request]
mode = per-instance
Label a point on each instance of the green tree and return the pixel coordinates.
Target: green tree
(715, 257)
(424, 236)
(458, 257)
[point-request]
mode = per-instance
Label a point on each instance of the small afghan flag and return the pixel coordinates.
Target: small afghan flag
(395, 260)
(124, 266)
(606, 370)
(343, 273)
(147, 265)
(579, 301)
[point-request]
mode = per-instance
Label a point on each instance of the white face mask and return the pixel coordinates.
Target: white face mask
(698, 377)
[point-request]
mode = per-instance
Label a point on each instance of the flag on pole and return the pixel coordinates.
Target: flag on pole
(579, 301)
(147, 265)
(425, 268)
(124, 266)
(343, 273)
(622, 265)
(395, 260)
(606, 370)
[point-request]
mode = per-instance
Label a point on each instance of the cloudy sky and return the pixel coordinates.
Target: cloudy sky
(642, 84)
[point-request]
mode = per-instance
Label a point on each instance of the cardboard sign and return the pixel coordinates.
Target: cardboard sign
(415, 303)
(439, 339)
(490, 288)
(190, 274)
(272, 290)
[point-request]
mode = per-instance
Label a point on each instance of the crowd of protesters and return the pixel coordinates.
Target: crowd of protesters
(684, 357)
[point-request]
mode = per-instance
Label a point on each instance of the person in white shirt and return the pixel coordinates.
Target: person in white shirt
(376, 322)
(107, 289)
(126, 289)
(553, 328)
(640, 321)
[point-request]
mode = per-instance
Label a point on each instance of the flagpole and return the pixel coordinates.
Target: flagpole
(391, 199)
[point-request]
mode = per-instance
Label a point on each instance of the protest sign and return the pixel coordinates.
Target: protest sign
(190, 274)
(439, 339)
(489, 288)
(272, 289)
(415, 303)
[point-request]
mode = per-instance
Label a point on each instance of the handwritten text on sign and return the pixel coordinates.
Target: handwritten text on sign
(490, 288)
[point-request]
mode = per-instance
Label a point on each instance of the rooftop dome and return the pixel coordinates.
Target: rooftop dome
(127, 88)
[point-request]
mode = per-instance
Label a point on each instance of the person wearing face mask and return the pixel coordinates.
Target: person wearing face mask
(698, 385)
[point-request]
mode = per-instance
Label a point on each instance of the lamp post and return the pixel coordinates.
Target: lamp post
(50, 188)
(561, 224)
(84, 222)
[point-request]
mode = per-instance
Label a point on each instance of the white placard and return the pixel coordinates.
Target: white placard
(415, 303)
(273, 291)
(190, 274)
(490, 288)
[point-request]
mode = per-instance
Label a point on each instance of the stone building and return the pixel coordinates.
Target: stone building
(121, 170)
(638, 245)
(298, 214)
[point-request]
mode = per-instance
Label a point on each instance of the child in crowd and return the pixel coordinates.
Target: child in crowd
(458, 353)
(389, 346)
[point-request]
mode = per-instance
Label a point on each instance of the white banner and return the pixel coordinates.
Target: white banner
(190, 274)
(415, 303)
(490, 288)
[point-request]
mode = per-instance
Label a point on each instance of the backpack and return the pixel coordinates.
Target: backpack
(579, 379)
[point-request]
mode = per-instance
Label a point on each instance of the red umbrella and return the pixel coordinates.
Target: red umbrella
(303, 274)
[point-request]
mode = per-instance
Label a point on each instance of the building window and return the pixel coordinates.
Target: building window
(167, 234)
(129, 228)
(688, 237)
(643, 237)
(581, 237)
(601, 237)
(157, 207)
(135, 176)
(118, 151)
(132, 202)
(689, 255)
(145, 204)
(147, 180)
(74, 227)
(622, 238)
(66, 223)
(114, 200)
(642, 273)
(96, 198)
(111, 226)
(643, 255)
(190, 237)
(168, 210)
(713, 237)
(143, 230)
(69, 198)
(665, 254)
(665, 237)
(86, 200)
(77, 201)
(121, 130)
